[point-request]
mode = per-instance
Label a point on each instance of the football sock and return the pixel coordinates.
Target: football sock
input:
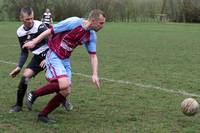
(53, 104)
(49, 88)
(22, 87)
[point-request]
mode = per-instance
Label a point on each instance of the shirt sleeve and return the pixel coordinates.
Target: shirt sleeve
(91, 46)
(42, 28)
(23, 56)
(22, 59)
(65, 25)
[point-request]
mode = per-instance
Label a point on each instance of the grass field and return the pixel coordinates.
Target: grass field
(146, 71)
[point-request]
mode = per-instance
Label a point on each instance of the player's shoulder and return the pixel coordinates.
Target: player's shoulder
(93, 33)
(73, 20)
(37, 23)
(20, 31)
(93, 36)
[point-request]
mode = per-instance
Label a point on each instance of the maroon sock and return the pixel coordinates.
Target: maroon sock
(53, 104)
(47, 89)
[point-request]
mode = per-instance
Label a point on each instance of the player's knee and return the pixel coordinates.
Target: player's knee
(64, 85)
(28, 73)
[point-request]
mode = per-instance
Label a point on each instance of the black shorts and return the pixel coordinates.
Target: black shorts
(34, 64)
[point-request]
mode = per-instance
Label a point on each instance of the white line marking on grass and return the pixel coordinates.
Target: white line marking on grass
(144, 86)
(174, 91)
(8, 62)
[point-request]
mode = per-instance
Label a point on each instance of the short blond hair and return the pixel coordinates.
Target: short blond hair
(95, 13)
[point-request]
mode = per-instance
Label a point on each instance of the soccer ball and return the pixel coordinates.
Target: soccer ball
(189, 106)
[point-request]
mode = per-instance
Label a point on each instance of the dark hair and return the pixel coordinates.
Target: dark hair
(27, 10)
(95, 13)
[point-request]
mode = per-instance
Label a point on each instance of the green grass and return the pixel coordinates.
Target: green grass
(160, 55)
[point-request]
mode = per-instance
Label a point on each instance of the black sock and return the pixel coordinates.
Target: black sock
(21, 91)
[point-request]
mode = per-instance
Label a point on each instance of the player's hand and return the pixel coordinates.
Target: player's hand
(96, 81)
(15, 71)
(29, 45)
(42, 64)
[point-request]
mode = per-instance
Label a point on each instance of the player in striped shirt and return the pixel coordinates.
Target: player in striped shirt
(47, 18)
(29, 30)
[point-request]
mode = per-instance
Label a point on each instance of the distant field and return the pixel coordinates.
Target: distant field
(146, 70)
(1, 3)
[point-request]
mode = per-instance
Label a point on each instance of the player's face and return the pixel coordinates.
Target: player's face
(27, 19)
(97, 24)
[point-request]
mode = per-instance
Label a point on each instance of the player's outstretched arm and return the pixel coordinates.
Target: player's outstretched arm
(35, 41)
(94, 63)
(21, 62)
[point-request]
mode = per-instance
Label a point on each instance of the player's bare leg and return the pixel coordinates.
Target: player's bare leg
(59, 98)
(22, 87)
(49, 88)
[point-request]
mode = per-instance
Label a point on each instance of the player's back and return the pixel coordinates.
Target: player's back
(67, 35)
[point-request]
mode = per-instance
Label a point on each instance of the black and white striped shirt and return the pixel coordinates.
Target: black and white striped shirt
(25, 34)
(47, 18)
